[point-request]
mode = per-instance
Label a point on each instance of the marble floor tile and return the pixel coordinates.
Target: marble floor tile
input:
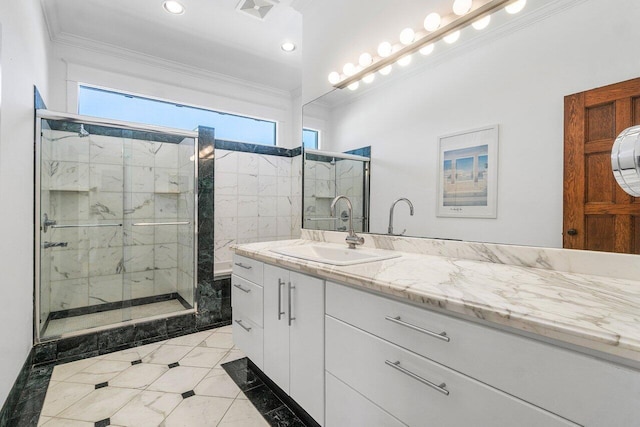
(190, 340)
(61, 395)
(148, 409)
(167, 354)
(66, 370)
(131, 354)
(138, 376)
(231, 356)
(99, 372)
(243, 414)
(219, 340)
(203, 357)
(179, 379)
(61, 422)
(217, 384)
(199, 411)
(99, 404)
(43, 420)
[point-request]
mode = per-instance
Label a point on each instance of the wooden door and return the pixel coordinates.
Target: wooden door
(598, 214)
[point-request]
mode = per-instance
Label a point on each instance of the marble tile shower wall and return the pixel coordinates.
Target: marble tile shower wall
(83, 181)
(324, 180)
(257, 198)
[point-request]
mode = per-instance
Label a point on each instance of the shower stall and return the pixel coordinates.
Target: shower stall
(116, 205)
(327, 175)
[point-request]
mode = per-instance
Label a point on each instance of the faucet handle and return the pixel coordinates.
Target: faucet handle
(354, 240)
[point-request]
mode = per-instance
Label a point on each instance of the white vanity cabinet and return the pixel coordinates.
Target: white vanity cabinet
(294, 336)
(405, 359)
(278, 321)
(247, 303)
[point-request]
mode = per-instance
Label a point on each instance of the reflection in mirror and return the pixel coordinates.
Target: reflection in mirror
(327, 175)
(516, 74)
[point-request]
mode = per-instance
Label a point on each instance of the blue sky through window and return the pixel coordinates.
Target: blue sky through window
(310, 138)
(118, 106)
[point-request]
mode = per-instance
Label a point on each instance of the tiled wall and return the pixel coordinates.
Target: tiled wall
(111, 179)
(257, 198)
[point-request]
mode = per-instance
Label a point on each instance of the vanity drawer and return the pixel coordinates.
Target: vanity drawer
(550, 377)
(248, 337)
(246, 296)
(248, 268)
(418, 391)
(347, 407)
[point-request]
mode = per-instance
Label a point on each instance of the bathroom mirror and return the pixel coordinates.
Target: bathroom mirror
(514, 75)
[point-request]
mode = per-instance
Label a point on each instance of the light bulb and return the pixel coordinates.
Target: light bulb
(452, 38)
(384, 49)
(482, 23)
(349, 69)
(461, 7)
(516, 6)
(365, 59)
(404, 61)
(386, 70)
(407, 36)
(354, 86)
(288, 46)
(334, 77)
(369, 78)
(427, 49)
(174, 7)
(432, 22)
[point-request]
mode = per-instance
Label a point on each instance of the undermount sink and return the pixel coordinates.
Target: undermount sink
(335, 255)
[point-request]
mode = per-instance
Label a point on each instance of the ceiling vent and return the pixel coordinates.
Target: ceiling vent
(257, 8)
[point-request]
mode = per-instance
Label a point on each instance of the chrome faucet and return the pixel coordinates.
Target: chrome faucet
(352, 238)
(402, 199)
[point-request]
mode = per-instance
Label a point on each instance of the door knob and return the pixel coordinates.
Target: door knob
(572, 232)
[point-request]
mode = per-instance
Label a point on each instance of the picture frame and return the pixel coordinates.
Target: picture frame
(468, 174)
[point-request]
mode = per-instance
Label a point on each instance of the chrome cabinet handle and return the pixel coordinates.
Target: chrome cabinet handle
(246, 328)
(440, 388)
(280, 285)
(246, 291)
(241, 265)
(290, 288)
(441, 336)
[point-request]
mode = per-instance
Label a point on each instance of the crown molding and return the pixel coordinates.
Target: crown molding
(74, 41)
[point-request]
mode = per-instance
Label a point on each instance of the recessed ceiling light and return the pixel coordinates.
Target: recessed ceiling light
(288, 46)
(174, 7)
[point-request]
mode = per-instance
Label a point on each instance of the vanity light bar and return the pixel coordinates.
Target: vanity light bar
(455, 25)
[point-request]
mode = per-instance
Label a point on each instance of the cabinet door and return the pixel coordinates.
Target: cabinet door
(307, 344)
(276, 326)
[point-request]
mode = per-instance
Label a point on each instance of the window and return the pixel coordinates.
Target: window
(310, 138)
(120, 106)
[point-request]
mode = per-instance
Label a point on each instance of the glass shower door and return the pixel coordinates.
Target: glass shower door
(81, 228)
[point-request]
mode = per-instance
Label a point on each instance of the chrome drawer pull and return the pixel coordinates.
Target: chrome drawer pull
(241, 265)
(246, 328)
(441, 336)
(246, 291)
(280, 285)
(441, 388)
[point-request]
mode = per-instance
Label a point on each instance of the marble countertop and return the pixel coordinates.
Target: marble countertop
(596, 312)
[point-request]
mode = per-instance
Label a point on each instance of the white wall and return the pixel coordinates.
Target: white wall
(24, 63)
(152, 77)
(517, 81)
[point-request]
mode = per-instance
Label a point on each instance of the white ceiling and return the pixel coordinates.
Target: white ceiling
(211, 35)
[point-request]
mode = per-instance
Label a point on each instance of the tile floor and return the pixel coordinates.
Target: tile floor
(110, 317)
(177, 382)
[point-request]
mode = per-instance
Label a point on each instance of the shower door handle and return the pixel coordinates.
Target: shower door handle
(151, 224)
(86, 225)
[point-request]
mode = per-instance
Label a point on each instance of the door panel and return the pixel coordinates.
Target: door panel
(598, 214)
(276, 327)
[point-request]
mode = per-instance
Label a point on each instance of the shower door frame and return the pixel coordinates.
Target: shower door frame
(37, 214)
(366, 184)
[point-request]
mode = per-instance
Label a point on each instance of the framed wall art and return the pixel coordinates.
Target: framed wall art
(468, 174)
